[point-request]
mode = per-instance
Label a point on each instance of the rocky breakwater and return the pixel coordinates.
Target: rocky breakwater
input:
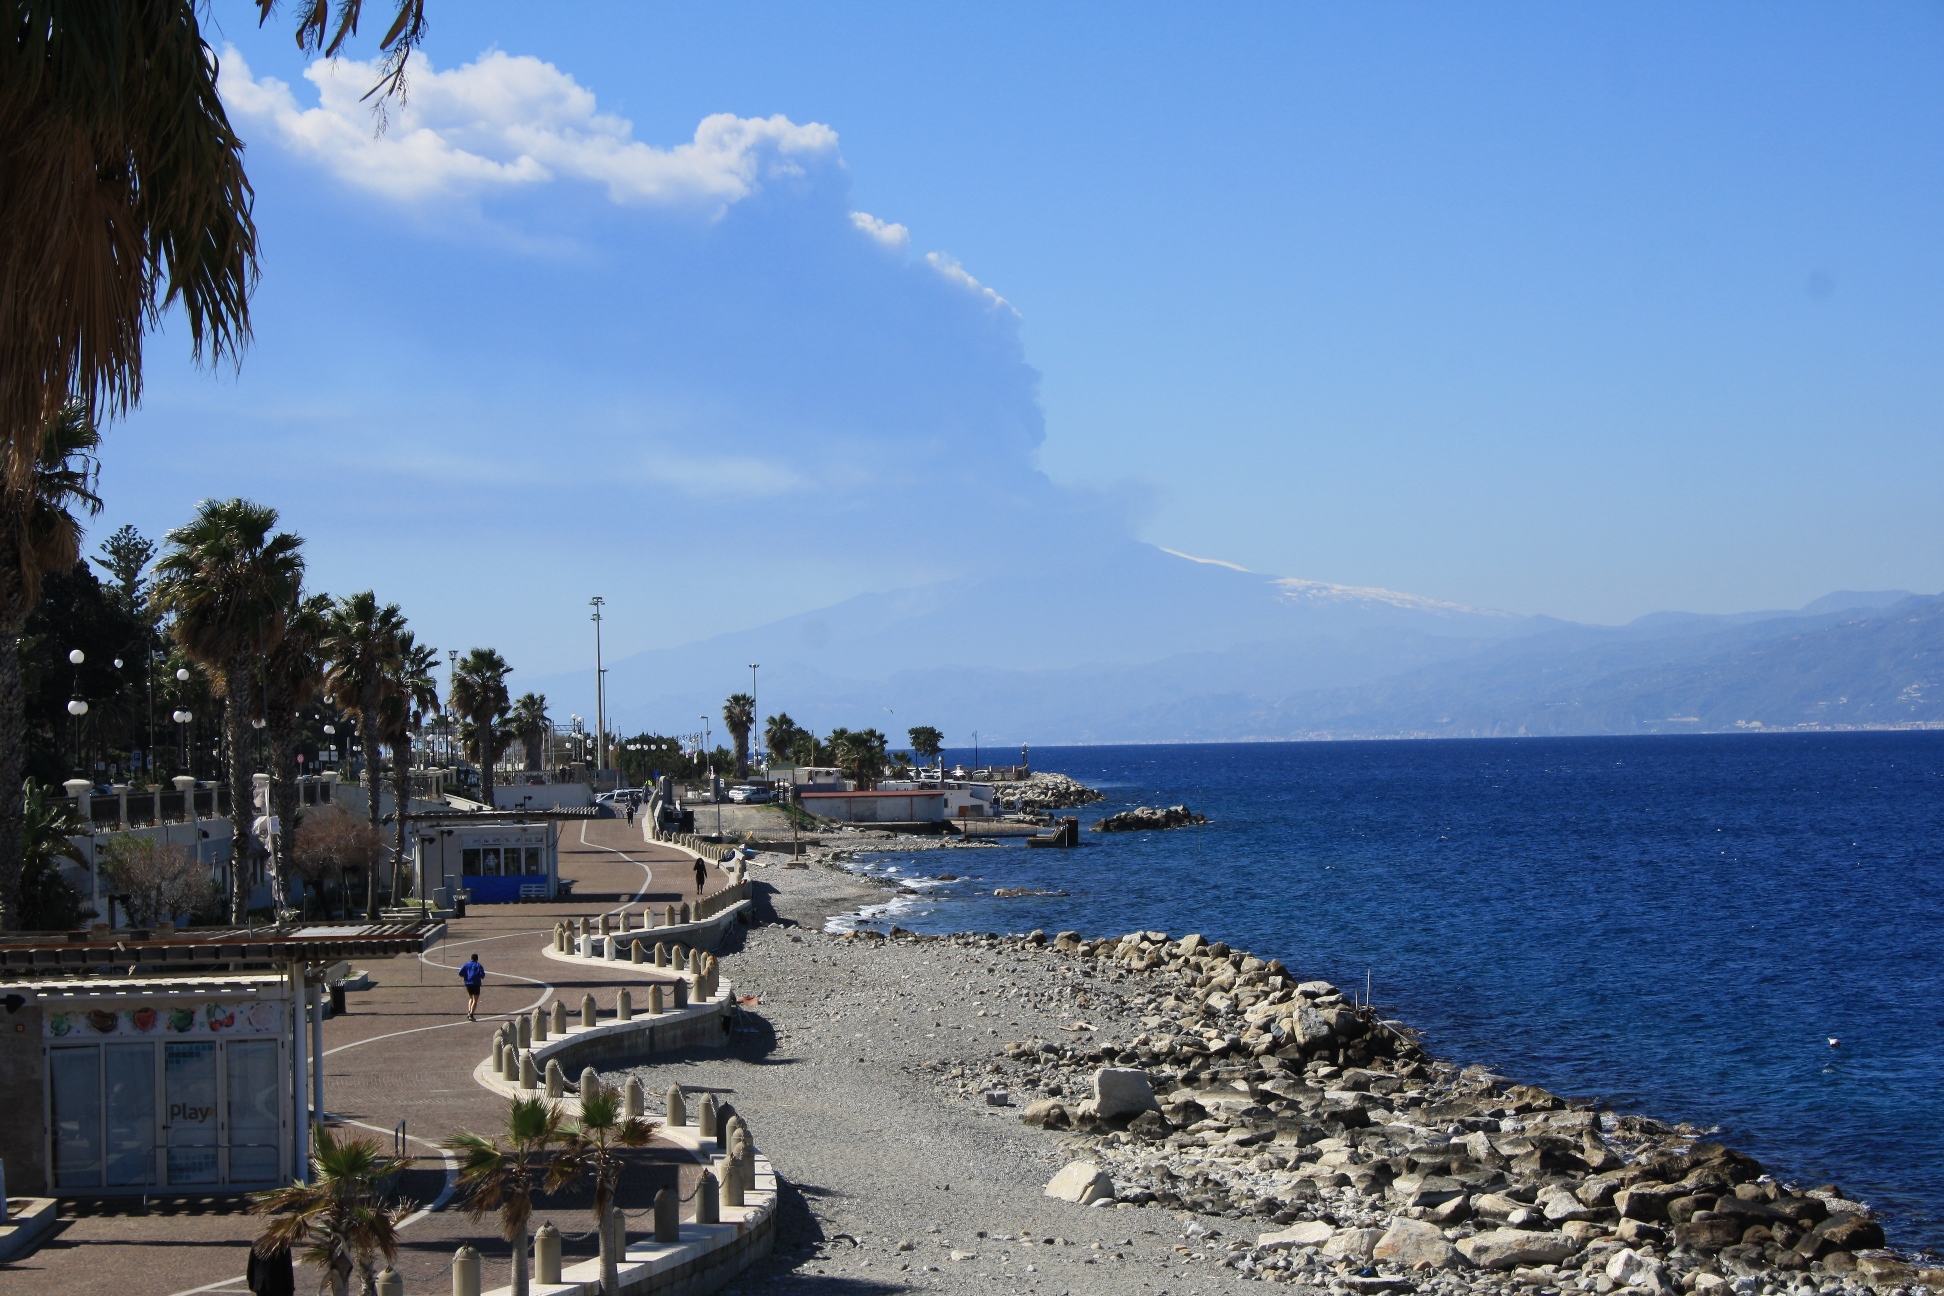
(1241, 1090)
(1041, 791)
(1147, 818)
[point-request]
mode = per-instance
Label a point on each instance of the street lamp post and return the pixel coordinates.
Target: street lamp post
(600, 688)
(755, 715)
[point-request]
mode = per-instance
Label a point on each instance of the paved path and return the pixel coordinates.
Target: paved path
(403, 1051)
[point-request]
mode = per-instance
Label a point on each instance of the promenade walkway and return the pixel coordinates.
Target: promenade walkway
(404, 1051)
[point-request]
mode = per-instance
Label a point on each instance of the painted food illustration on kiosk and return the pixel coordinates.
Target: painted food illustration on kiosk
(248, 1017)
(59, 1024)
(219, 1016)
(182, 1020)
(265, 1016)
(103, 1021)
(143, 1019)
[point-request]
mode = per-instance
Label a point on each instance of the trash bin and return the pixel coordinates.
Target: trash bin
(459, 905)
(337, 999)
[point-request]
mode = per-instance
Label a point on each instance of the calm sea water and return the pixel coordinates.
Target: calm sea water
(1678, 925)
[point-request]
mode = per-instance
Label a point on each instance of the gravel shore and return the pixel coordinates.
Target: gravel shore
(1294, 1139)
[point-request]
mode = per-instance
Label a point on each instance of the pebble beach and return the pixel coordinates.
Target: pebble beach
(1211, 1119)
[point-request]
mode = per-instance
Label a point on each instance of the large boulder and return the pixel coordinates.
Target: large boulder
(1508, 1248)
(1122, 1092)
(1707, 1231)
(1304, 1233)
(1647, 1201)
(1844, 1232)
(1629, 1268)
(1414, 1244)
(1147, 818)
(1425, 1190)
(1046, 1113)
(1081, 1182)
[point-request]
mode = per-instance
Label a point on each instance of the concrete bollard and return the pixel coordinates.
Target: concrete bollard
(634, 952)
(705, 1116)
(623, 1005)
(677, 1107)
(585, 927)
(590, 1015)
(465, 1272)
(556, 1082)
(546, 1254)
(610, 947)
(732, 1181)
(647, 918)
(529, 1078)
(634, 1099)
(524, 1027)
(694, 961)
(668, 1218)
(388, 1282)
(559, 1018)
(668, 916)
(606, 925)
(679, 989)
(590, 1084)
(678, 957)
(499, 1055)
(584, 946)
(683, 912)
(708, 1203)
(539, 1025)
(741, 1146)
(654, 1001)
(560, 939)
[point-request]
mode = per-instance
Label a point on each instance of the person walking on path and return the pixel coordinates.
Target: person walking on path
(701, 874)
(630, 814)
(473, 973)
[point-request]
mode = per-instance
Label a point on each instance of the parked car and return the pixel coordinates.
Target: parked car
(747, 795)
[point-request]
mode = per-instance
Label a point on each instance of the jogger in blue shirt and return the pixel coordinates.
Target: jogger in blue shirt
(473, 973)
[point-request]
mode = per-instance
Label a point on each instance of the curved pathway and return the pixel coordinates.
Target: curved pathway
(403, 1052)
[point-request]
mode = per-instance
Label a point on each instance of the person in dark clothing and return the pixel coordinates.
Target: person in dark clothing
(271, 1275)
(701, 875)
(473, 973)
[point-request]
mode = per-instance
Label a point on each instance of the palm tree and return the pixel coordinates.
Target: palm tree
(739, 714)
(231, 585)
(478, 690)
(47, 902)
(780, 735)
(38, 533)
(122, 192)
(592, 1150)
(361, 643)
(530, 724)
(292, 672)
(337, 1218)
(413, 695)
(502, 1176)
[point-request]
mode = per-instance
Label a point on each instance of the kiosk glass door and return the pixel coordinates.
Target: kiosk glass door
(189, 1083)
(128, 1072)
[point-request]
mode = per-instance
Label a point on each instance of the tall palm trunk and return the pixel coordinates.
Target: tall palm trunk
(13, 742)
(373, 781)
(520, 1261)
(283, 798)
(610, 1262)
(401, 802)
(236, 737)
(486, 763)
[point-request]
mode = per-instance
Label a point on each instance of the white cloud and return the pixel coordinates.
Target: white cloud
(892, 235)
(504, 122)
(949, 267)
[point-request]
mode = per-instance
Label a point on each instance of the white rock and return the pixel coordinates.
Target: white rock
(1352, 1244)
(1081, 1182)
(1121, 1092)
(1301, 1234)
(1629, 1268)
(1505, 1248)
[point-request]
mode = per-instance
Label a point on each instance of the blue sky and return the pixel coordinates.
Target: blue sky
(1590, 311)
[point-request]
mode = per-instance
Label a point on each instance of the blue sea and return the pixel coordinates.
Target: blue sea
(1678, 925)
